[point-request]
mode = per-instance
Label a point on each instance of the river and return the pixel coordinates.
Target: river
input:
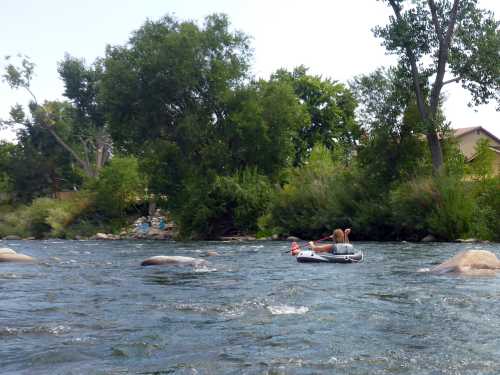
(88, 307)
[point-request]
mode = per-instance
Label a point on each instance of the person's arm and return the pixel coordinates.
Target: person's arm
(346, 235)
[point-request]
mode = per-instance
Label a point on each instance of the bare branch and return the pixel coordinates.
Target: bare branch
(456, 79)
(67, 147)
(31, 93)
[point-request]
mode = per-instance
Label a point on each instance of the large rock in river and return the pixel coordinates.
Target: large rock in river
(9, 255)
(6, 250)
(173, 260)
(470, 262)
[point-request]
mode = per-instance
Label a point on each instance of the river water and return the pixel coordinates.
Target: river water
(88, 307)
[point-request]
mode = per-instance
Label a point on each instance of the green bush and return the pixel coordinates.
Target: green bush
(411, 204)
(310, 204)
(231, 205)
(453, 209)
(12, 221)
(119, 186)
(443, 206)
(486, 215)
(45, 217)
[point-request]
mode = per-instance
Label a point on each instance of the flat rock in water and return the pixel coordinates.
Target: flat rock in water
(5, 257)
(428, 238)
(470, 262)
(173, 260)
(6, 250)
(467, 240)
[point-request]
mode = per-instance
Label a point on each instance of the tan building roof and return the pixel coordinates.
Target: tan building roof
(459, 132)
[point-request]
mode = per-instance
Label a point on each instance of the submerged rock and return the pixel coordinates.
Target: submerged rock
(470, 262)
(173, 260)
(237, 238)
(212, 253)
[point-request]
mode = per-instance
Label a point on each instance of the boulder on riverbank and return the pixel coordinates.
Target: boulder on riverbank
(156, 227)
(470, 262)
(12, 238)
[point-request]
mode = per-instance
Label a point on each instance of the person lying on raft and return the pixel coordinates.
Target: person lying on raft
(338, 236)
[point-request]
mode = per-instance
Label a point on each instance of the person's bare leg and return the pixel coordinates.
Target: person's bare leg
(346, 234)
(321, 248)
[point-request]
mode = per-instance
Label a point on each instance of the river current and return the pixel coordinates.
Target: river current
(88, 307)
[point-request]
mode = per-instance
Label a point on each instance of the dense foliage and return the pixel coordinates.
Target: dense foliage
(174, 113)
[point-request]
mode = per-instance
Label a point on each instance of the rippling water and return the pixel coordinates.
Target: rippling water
(89, 308)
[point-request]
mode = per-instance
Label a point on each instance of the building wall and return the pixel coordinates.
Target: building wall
(467, 142)
(496, 164)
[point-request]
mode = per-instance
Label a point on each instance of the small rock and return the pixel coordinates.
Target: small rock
(467, 240)
(292, 238)
(212, 253)
(12, 237)
(101, 236)
(173, 260)
(275, 237)
(428, 238)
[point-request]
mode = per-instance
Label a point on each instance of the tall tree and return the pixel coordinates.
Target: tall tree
(166, 93)
(90, 133)
(391, 148)
(39, 164)
(170, 75)
(429, 36)
(331, 108)
(86, 120)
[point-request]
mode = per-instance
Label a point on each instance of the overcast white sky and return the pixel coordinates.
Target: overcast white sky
(332, 38)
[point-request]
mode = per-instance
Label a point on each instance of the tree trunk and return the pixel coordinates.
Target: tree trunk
(152, 208)
(436, 151)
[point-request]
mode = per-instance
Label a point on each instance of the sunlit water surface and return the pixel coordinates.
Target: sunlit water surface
(89, 308)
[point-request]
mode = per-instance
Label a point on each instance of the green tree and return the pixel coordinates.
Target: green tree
(331, 109)
(430, 36)
(90, 135)
(178, 96)
(80, 89)
(391, 148)
(263, 124)
(6, 158)
(171, 76)
(39, 164)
